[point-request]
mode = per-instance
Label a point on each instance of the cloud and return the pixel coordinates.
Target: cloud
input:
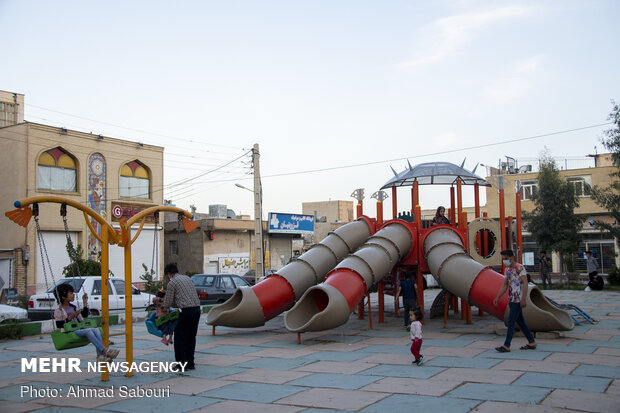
(516, 83)
(446, 35)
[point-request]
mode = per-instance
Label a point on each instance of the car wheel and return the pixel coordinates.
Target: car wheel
(94, 312)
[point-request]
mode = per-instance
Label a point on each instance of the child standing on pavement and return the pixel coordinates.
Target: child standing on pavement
(416, 334)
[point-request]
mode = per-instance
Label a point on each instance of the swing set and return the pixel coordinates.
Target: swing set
(106, 236)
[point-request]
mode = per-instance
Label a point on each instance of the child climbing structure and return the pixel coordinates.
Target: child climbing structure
(322, 287)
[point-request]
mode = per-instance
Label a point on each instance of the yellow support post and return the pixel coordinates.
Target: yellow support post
(128, 305)
(105, 303)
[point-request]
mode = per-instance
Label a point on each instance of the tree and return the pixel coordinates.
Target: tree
(553, 222)
(609, 197)
(79, 267)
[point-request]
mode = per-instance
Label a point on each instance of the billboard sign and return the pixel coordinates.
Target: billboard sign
(290, 223)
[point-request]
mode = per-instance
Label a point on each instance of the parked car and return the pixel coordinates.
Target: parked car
(217, 288)
(250, 276)
(41, 306)
(8, 312)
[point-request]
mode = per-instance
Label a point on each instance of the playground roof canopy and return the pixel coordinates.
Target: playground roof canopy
(434, 173)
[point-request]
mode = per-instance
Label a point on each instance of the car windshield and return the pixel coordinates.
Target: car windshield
(76, 283)
(203, 280)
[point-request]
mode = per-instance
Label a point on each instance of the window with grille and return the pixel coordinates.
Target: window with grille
(528, 190)
(582, 185)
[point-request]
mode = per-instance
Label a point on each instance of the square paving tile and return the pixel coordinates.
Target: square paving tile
(477, 362)
(478, 375)
(336, 381)
(189, 386)
(284, 353)
(404, 403)
(239, 406)
(465, 352)
(598, 371)
(254, 392)
(560, 381)
(213, 372)
(536, 366)
(516, 354)
(274, 363)
(337, 356)
(333, 399)
(501, 393)
(230, 350)
(222, 360)
(268, 376)
(174, 403)
(412, 386)
(410, 370)
(394, 359)
(495, 407)
(336, 367)
(583, 401)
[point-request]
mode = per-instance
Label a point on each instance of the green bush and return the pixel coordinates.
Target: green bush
(11, 329)
(613, 277)
(150, 285)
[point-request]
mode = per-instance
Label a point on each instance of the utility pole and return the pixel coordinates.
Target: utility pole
(259, 256)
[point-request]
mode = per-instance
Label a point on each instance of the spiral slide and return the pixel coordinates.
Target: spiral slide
(330, 304)
(461, 275)
(252, 307)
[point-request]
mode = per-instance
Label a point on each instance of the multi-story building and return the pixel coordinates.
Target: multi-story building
(600, 243)
(328, 215)
(114, 177)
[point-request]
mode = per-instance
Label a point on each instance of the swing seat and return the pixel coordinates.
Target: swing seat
(151, 327)
(171, 316)
(68, 339)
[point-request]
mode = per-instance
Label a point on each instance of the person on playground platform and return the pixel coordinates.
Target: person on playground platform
(516, 284)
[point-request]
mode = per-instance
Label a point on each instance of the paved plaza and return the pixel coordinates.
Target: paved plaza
(352, 368)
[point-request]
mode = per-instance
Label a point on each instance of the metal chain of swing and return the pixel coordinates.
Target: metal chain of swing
(74, 263)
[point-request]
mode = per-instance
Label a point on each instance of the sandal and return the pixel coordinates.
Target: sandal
(502, 349)
(528, 347)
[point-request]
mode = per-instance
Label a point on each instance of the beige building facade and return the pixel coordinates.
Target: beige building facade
(601, 244)
(115, 177)
(328, 216)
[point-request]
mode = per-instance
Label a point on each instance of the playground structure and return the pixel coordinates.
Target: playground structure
(106, 236)
(321, 288)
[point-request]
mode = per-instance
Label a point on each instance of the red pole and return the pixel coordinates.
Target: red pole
(369, 313)
(394, 207)
(452, 206)
(416, 196)
(509, 231)
(419, 275)
(459, 199)
(360, 208)
(477, 200)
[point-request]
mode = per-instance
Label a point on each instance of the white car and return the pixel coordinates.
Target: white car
(8, 312)
(41, 306)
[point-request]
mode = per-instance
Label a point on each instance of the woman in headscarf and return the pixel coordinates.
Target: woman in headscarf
(440, 218)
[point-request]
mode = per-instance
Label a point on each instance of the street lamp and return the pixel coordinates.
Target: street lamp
(259, 257)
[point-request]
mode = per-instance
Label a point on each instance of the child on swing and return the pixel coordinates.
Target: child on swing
(66, 311)
(167, 329)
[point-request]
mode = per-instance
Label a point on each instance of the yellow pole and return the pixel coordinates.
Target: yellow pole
(105, 303)
(128, 304)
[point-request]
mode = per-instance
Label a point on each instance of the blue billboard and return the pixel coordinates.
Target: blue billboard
(290, 223)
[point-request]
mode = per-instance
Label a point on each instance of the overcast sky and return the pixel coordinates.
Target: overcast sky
(318, 85)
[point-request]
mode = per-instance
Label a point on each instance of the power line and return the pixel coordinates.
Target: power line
(131, 129)
(437, 153)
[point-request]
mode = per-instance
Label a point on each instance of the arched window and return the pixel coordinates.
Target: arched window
(57, 171)
(135, 180)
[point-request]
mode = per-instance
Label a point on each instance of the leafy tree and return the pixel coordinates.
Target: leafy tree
(79, 267)
(609, 197)
(553, 222)
(150, 285)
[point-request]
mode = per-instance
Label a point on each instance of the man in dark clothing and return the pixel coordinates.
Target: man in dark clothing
(408, 289)
(544, 267)
(182, 294)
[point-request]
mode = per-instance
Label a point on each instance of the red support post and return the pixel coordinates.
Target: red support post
(477, 200)
(519, 235)
(369, 313)
(459, 199)
(452, 207)
(394, 207)
(502, 221)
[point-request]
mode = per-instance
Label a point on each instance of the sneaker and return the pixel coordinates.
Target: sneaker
(164, 341)
(112, 353)
(419, 361)
(101, 358)
(588, 289)
(170, 341)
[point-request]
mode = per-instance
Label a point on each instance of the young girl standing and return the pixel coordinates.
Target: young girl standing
(416, 335)
(66, 312)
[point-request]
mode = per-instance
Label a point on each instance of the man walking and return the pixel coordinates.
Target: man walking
(181, 294)
(516, 284)
(544, 268)
(592, 264)
(407, 288)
